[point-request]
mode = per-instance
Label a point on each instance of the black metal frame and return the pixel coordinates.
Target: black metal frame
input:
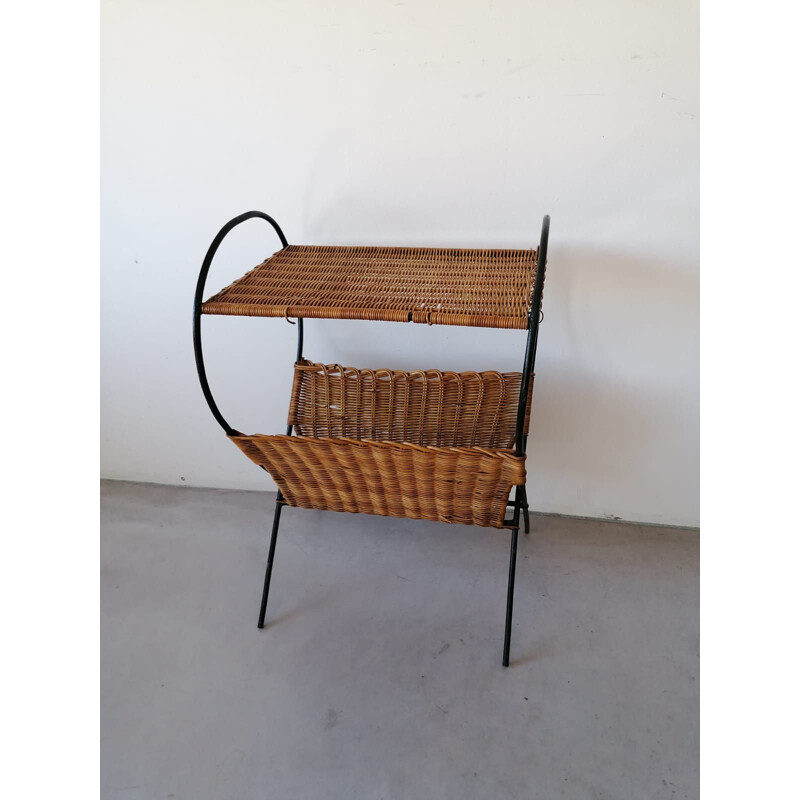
(520, 502)
(520, 440)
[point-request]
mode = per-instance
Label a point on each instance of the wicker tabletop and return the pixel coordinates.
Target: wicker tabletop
(437, 286)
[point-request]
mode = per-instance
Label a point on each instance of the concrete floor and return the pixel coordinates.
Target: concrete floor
(379, 673)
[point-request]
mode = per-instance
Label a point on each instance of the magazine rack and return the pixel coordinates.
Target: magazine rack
(441, 446)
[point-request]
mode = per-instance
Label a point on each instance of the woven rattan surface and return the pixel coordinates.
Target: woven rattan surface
(443, 409)
(438, 286)
(464, 485)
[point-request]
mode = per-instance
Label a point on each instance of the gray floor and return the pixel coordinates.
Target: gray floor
(379, 673)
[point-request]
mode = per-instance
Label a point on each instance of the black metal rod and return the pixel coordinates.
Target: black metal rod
(533, 335)
(520, 439)
(198, 308)
(270, 558)
(299, 356)
(299, 339)
(512, 568)
(523, 495)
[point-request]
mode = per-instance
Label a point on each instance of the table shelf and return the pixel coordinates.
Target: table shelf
(436, 286)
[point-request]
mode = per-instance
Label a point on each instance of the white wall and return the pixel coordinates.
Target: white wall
(434, 123)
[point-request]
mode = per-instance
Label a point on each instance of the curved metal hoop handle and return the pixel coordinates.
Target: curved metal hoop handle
(198, 308)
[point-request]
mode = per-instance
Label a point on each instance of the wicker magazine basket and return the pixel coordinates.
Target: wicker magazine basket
(425, 445)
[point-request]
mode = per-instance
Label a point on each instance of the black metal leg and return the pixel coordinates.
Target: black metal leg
(510, 602)
(270, 558)
(523, 493)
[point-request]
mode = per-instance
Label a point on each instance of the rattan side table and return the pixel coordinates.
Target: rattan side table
(427, 444)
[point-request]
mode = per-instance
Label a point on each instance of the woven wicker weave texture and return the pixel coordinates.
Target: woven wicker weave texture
(443, 409)
(444, 286)
(427, 445)
(464, 485)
